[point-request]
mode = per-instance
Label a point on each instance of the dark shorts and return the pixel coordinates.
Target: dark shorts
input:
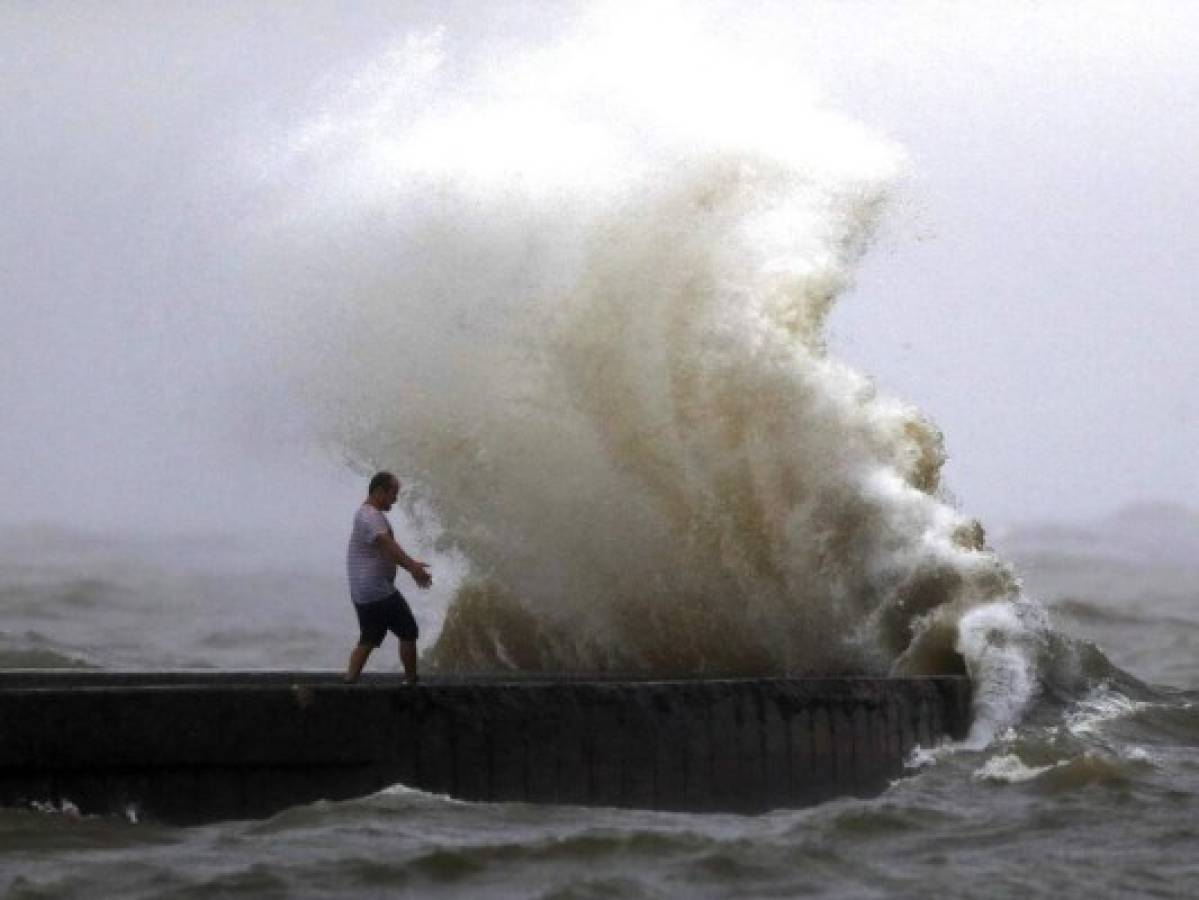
(389, 614)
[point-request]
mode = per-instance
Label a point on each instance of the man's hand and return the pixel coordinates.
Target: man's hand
(417, 569)
(420, 573)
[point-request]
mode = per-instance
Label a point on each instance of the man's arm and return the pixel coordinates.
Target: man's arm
(417, 569)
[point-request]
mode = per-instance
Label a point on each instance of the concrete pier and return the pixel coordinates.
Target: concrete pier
(193, 746)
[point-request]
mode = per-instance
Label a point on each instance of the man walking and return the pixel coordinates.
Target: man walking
(371, 561)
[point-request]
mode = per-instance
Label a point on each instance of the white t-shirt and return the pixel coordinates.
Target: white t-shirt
(372, 575)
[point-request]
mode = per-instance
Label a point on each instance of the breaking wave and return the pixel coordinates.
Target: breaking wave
(580, 305)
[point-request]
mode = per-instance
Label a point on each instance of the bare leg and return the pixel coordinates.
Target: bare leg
(357, 660)
(408, 658)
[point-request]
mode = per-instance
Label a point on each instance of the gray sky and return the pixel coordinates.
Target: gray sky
(1033, 292)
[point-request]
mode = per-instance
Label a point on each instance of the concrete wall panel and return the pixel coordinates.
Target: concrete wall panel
(199, 746)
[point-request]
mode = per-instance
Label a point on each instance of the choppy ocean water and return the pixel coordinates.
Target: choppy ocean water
(1094, 793)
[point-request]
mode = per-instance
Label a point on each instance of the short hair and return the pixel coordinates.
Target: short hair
(382, 481)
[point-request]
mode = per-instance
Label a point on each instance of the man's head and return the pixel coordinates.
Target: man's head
(383, 491)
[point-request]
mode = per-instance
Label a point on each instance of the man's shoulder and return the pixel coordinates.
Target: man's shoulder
(370, 517)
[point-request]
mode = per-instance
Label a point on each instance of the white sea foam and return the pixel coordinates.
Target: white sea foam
(1099, 707)
(1001, 643)
(63, 807)
(1009, 769)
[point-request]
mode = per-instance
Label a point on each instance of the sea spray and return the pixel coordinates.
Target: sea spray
(579, 302)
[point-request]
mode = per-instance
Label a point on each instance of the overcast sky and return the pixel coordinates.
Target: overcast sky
(1033, 290)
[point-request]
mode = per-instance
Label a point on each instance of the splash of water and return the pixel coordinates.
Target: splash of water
(580, 303)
